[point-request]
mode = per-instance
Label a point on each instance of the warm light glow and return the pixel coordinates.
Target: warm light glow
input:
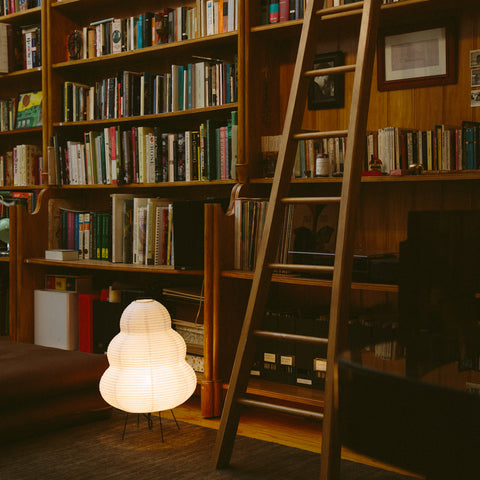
(148, 371)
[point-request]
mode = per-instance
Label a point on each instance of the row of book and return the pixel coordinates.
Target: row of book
(8, 7)
(196, 85)
(20, 47)
(143, 154)
(116, 35)
(275, 11)
(389, 150)
(21, 166)
(89, 232)
(306, 159)
(137, 230)
(307, 230)
(444, 148)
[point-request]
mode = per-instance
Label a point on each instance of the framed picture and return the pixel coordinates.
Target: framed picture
(29, 110)
(327, 91)
(417, 56)
(474, 58)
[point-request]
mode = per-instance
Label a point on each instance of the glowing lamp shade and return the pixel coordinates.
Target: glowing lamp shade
(148, 371)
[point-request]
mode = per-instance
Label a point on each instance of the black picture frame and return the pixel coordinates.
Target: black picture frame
(327, 91)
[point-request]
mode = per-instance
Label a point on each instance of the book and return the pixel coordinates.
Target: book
(85, 321)
(61, 254)
(29, 110)
(188, 234)
(118, 227)
(68, 283)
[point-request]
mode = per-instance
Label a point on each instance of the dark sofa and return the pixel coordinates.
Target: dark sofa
(43, 388)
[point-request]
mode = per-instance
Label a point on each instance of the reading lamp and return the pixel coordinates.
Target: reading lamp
(148, 371)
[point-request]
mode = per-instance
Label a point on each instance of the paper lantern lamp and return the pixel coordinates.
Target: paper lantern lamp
(148, 371)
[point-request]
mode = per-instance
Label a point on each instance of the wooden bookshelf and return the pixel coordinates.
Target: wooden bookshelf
(265, 56)
(27, 261)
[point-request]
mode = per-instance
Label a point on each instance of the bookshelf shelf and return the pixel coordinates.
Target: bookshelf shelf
(22, 131)
(22, 17)
(27, 74)
(293, 394)
(312, 282)
(102, 265)
(443, 176)
(148, 119)
(210, 45)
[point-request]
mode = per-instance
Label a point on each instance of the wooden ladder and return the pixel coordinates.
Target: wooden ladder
(342, 269)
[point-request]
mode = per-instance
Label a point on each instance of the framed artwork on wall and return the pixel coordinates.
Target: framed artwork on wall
(327, 91)
(417, 56)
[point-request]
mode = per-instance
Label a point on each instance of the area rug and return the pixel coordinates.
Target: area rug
(97, 451)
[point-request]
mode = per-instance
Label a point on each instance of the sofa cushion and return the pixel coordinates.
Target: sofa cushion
(34, 371)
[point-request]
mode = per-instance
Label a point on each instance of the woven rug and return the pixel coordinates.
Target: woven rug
(97, 451)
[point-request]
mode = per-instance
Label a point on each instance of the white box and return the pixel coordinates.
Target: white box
(56, 319)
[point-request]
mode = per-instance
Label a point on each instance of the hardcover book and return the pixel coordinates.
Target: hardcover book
(29, 110)
(61, 254)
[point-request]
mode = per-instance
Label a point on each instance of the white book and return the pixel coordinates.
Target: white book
(108, 155)
(61, 254)
(199, 68)
(28, 50)
(139, 203)
(150, 144)
(153, 205)
(72, 167)
(232, 15)
(210, 17)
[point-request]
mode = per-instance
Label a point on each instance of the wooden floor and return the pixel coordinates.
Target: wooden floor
(275, 427)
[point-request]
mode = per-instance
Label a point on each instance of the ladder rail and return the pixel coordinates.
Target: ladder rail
(273, 223)
(342, 276)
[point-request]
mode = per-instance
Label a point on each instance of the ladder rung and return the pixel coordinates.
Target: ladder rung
(301, 268)
(330, 70)
(280, 408)
(319, 200)
(290, 337)
(307, 135)
(356, 8)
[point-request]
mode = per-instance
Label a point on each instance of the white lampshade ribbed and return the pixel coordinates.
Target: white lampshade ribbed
(148, 371)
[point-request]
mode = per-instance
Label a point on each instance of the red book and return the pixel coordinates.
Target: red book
(85, 321)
